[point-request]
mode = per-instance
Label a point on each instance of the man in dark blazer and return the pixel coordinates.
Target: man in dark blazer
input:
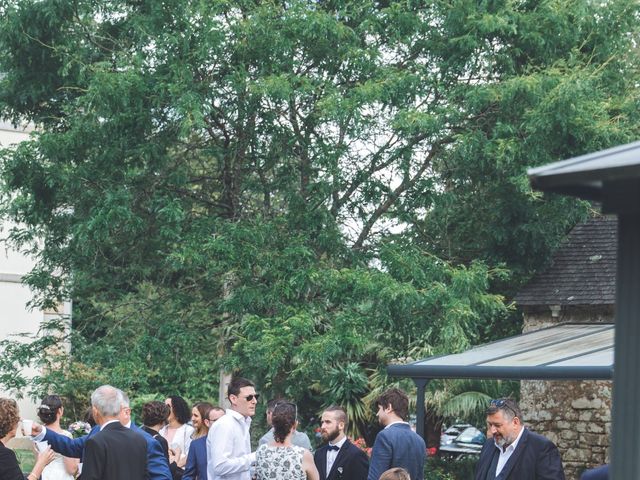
(598, 473)
(115, 452)
(339, 458)
(513, 452)
(396, 445)
(157, 465)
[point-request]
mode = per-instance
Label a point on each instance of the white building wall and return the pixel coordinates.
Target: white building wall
(15, 317)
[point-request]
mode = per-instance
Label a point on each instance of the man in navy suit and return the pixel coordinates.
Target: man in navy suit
(512, 452)
(397, 445)
(339, 458)
(598, 473)
(157, 465)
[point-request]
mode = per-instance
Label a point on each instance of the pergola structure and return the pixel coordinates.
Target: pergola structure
(562, 352)
(611, 177)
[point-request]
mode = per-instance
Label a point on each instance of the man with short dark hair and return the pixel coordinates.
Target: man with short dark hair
(339, 458)
(513, 452)
(397, 445)
(229, 455)
(299, 439)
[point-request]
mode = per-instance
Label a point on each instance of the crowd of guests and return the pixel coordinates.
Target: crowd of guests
(207, 442)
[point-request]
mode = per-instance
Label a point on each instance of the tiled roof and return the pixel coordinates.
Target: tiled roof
(583, 270)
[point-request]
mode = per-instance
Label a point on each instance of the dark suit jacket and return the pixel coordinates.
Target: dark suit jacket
(599, 473)
(157, 463)
(398, 446)
(9, 466)
(351, 463)
(196, 467)
(535, 458)
(115, 453)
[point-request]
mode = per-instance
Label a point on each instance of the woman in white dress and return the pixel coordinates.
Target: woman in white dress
(61, 468)
(280, 459)
(177, 432)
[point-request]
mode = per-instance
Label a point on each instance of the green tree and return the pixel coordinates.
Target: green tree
(222, 184)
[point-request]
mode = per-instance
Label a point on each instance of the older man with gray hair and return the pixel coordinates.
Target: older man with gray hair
(115, 452)
(513, 452)
(157, 465)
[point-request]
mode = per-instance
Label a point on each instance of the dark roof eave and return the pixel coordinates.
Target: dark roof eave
(504, 373)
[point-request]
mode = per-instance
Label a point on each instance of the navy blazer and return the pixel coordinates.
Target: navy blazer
(351, 463)
(157, 465)
(398, 446)
(196, 467)
(535, 458)
(598, 473)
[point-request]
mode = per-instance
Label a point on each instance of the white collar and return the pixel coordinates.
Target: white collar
(107, 423)
(238, 416)
(395, 423)
(340, 443)
(513, 445)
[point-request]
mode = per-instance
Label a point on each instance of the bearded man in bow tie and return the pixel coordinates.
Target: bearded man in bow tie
(339, 458)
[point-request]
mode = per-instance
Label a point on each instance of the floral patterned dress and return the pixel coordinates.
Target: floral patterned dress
(279, 463)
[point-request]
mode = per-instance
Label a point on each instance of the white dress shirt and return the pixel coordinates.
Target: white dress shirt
(229, 448)
(506, 453)
(333, 454)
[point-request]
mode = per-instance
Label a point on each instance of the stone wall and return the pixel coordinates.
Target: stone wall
(575, 415)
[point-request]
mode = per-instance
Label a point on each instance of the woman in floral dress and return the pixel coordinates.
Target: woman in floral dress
(280, 459)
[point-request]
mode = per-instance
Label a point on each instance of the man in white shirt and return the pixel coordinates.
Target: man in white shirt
(229, 442)
(512, 452)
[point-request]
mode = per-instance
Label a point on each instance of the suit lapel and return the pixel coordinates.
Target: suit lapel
(515, 456)
(342, 453)
(487, 458)
(322, 463)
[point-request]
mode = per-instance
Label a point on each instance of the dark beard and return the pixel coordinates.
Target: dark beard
(332, 436)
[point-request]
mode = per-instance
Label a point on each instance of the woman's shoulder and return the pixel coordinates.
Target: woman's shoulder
(66, 433)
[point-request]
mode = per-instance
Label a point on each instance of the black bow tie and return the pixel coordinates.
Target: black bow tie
(333, 447)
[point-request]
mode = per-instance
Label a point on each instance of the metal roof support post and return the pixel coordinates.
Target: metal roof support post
(625, 460)
(421, 383)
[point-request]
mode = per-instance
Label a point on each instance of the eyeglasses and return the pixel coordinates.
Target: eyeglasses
(503, 403)
(291, 404)
(249, 398)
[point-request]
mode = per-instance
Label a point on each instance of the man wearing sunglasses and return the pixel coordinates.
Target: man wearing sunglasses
(229, 442)
(512, 452)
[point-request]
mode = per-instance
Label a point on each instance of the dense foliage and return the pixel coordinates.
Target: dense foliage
(300, 191)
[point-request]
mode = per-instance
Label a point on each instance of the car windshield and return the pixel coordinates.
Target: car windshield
(471, 435)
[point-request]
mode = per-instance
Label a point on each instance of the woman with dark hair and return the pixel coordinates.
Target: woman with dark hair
(280, 459)
(177, 432)
(154, 418)
(50, 412)
(9, 466)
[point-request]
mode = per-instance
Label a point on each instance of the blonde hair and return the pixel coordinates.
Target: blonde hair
(396, 473)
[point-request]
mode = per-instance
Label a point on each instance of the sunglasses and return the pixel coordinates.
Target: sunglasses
(503, 404)
(249, 398)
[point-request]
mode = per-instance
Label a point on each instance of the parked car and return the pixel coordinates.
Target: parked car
(450, 434)
(468, 442)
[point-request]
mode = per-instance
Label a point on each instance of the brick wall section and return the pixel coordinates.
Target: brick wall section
(575, 415)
